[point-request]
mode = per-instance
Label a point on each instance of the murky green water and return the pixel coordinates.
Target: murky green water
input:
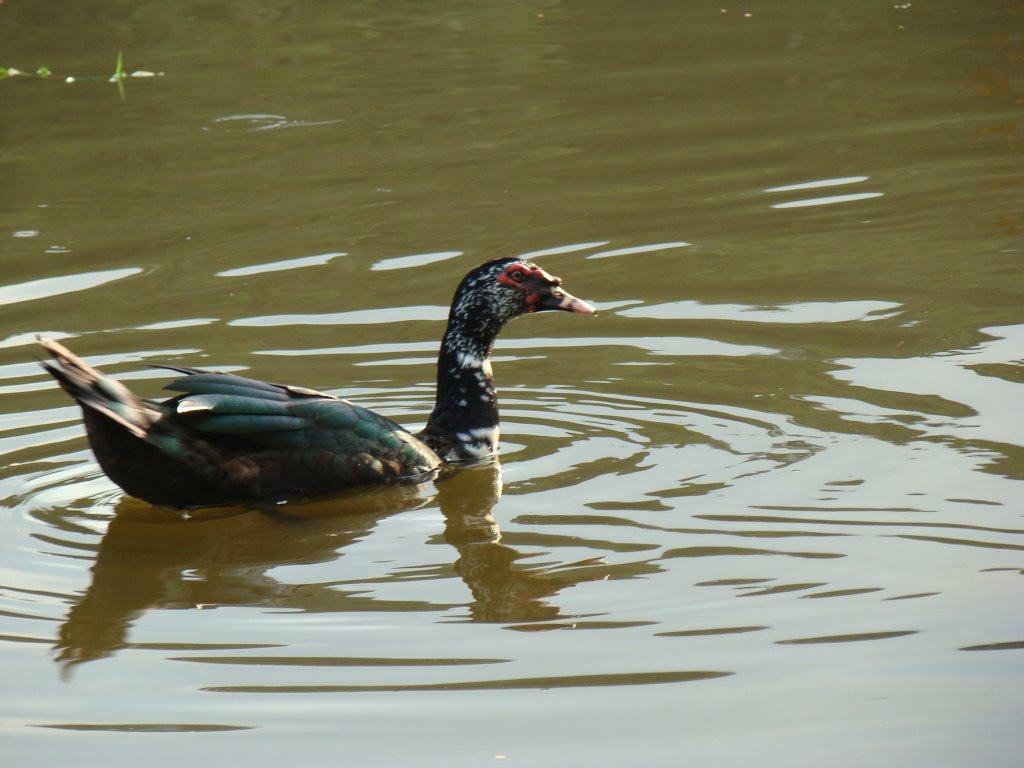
(765, 509)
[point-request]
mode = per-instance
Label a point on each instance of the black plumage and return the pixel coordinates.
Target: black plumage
(227, 438)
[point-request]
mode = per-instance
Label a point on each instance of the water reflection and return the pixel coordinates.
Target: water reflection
(501, 591)
(152, 558)
(157, 559)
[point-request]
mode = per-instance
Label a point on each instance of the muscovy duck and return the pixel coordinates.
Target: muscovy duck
(229, 439)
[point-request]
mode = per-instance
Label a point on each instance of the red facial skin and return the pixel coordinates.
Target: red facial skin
(542, 290)
(525, 279)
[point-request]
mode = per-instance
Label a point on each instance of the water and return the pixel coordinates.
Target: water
(765, 508)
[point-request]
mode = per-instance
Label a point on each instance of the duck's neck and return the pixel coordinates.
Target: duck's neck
(464, 423)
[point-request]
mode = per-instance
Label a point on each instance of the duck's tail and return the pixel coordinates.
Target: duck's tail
(91, 389)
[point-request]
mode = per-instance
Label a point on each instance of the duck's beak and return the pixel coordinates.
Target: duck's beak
(558, 298)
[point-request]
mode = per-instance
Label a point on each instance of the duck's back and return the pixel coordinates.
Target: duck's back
(227, 438)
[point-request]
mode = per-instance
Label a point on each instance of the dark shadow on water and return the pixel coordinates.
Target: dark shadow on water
(159, 559)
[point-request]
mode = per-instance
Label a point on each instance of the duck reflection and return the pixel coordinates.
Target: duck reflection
(502, 592)
(159, 559)
(152, 558)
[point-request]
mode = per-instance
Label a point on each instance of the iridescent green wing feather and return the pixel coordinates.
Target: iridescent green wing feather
(300, 438)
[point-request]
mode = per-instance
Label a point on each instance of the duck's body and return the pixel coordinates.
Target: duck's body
(227, 438)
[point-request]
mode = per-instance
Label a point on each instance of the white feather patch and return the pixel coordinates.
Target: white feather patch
(479, 442)
(469, 360)
(192, 406)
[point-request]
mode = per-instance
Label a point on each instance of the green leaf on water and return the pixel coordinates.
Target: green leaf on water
(45, 72)
(118, 76)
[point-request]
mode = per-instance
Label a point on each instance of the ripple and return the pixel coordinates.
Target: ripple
(24, 339)
(55, 286)
(712, 631)
(635, 249)
(601, 491)
(260, 122)
(529, 683)
(657, 450)
(818, 184)
(830, 200)
(803, 312)
(949, 393)
(1011, 645)
(681, 346)
(279, 266)
(415, 260)
(740, 551)
(187, 322)
(560, 249)
(858, 637)
(41, 381)
(353, 317)
(334, 661)
(146, 727)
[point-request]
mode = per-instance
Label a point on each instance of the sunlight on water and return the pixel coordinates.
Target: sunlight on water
(560, 249)
(355, 317)
(809, 312)
(763, 509)
(830, 200)
(54, 286)
(819, 184)
(636, 249)
(278, 266)
(417, 260)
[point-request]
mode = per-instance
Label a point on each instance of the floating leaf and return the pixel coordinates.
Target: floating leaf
(44, 72)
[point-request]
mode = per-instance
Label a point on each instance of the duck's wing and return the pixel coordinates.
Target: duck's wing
(304, 440)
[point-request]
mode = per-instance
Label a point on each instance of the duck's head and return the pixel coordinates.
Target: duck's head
(507, 288)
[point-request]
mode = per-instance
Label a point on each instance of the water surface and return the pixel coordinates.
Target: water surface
(764, 509)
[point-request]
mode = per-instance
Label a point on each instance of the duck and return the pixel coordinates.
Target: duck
(226, 439)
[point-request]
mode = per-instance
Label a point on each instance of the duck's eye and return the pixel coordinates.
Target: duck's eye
(516, 275)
